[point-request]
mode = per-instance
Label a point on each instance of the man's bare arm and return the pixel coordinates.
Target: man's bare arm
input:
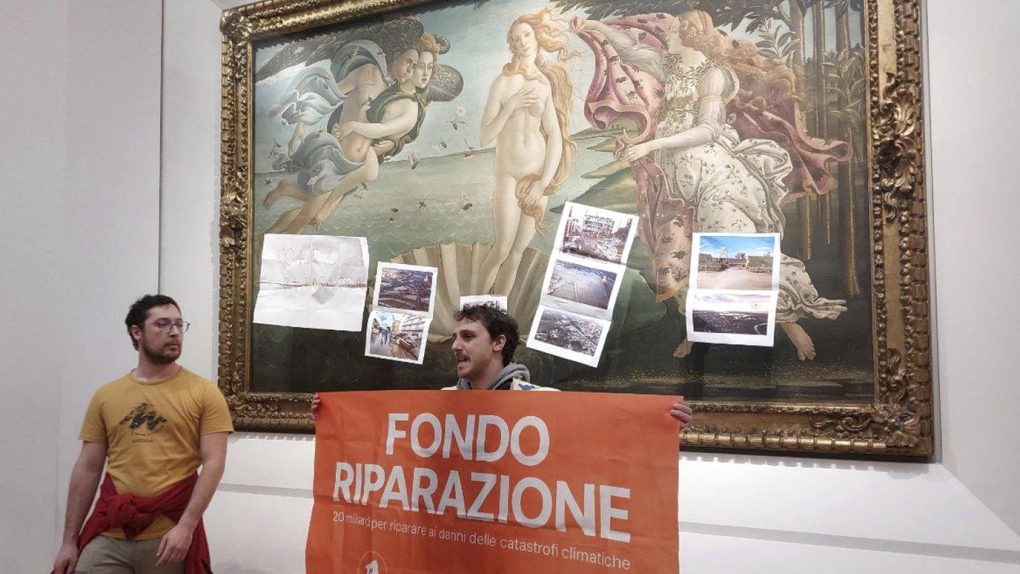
(84, 481)
(175, 544)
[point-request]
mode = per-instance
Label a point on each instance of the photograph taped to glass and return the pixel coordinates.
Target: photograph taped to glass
(594, 233)
(396, 336)
(732, 317)
(405, 287)
(736, 261)
(568, 335)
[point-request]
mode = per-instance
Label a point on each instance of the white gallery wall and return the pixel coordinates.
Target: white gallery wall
(34, 167)
(86, 228)
(973, 155)
(79, 237)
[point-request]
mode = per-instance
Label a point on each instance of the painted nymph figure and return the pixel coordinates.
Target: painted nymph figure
(526, 116)
(674, 76)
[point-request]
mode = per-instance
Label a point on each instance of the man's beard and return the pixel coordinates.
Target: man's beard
(162, 356)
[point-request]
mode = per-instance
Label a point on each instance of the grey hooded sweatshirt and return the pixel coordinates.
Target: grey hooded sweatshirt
(513, 377)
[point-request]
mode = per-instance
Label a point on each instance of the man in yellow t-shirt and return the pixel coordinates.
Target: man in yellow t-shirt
(154, 427)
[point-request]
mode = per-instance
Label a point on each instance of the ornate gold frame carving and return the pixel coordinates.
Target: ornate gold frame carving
(897, 423)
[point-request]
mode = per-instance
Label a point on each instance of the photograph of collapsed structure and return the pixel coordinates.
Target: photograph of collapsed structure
(406, 289)
(581, 283)
(595, 233)
(736, 262)
(568, 331)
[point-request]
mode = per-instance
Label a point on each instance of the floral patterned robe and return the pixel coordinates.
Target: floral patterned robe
(729, 184)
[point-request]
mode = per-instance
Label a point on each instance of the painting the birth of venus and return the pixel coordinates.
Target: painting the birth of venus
(451, 135)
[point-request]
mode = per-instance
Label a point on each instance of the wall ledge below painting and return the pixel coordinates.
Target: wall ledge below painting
(907, 508)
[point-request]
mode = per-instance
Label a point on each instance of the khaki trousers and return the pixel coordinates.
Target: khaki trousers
(104, 555)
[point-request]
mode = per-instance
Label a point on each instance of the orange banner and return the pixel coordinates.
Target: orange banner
(488, 482)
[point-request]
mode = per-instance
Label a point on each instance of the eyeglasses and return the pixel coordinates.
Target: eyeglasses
(168, 326)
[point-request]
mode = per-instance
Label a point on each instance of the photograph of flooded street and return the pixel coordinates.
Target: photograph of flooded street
(733, 322)
(396, 336)
(581, 284)
(406, 289)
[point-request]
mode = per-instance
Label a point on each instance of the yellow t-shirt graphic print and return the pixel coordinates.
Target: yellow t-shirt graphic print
(152, 432)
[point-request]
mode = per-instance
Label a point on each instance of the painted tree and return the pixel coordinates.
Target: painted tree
(845, 70)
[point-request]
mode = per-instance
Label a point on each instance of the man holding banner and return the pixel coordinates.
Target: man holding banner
(422, 482)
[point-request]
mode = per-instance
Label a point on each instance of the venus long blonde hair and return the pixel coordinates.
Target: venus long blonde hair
(552, 36)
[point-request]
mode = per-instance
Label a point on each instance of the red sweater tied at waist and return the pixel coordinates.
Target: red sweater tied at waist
(134, 514)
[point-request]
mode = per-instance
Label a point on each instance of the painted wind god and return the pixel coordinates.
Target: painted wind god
(365, 93)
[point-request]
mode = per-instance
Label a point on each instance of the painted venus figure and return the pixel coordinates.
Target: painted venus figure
(153, 428)
(526, 117)
(484, 343)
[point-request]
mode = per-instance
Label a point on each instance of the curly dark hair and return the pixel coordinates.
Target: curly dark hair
(398, 35)
(497, 322)
(139, 312)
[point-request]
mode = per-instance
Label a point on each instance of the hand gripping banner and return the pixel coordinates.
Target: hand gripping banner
(517, 482)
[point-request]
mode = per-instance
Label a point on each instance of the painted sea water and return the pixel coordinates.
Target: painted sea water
(444, 199)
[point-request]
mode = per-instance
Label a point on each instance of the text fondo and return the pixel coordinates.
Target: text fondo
(490, 497)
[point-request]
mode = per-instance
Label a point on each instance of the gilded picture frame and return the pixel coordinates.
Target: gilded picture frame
(894, 417)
